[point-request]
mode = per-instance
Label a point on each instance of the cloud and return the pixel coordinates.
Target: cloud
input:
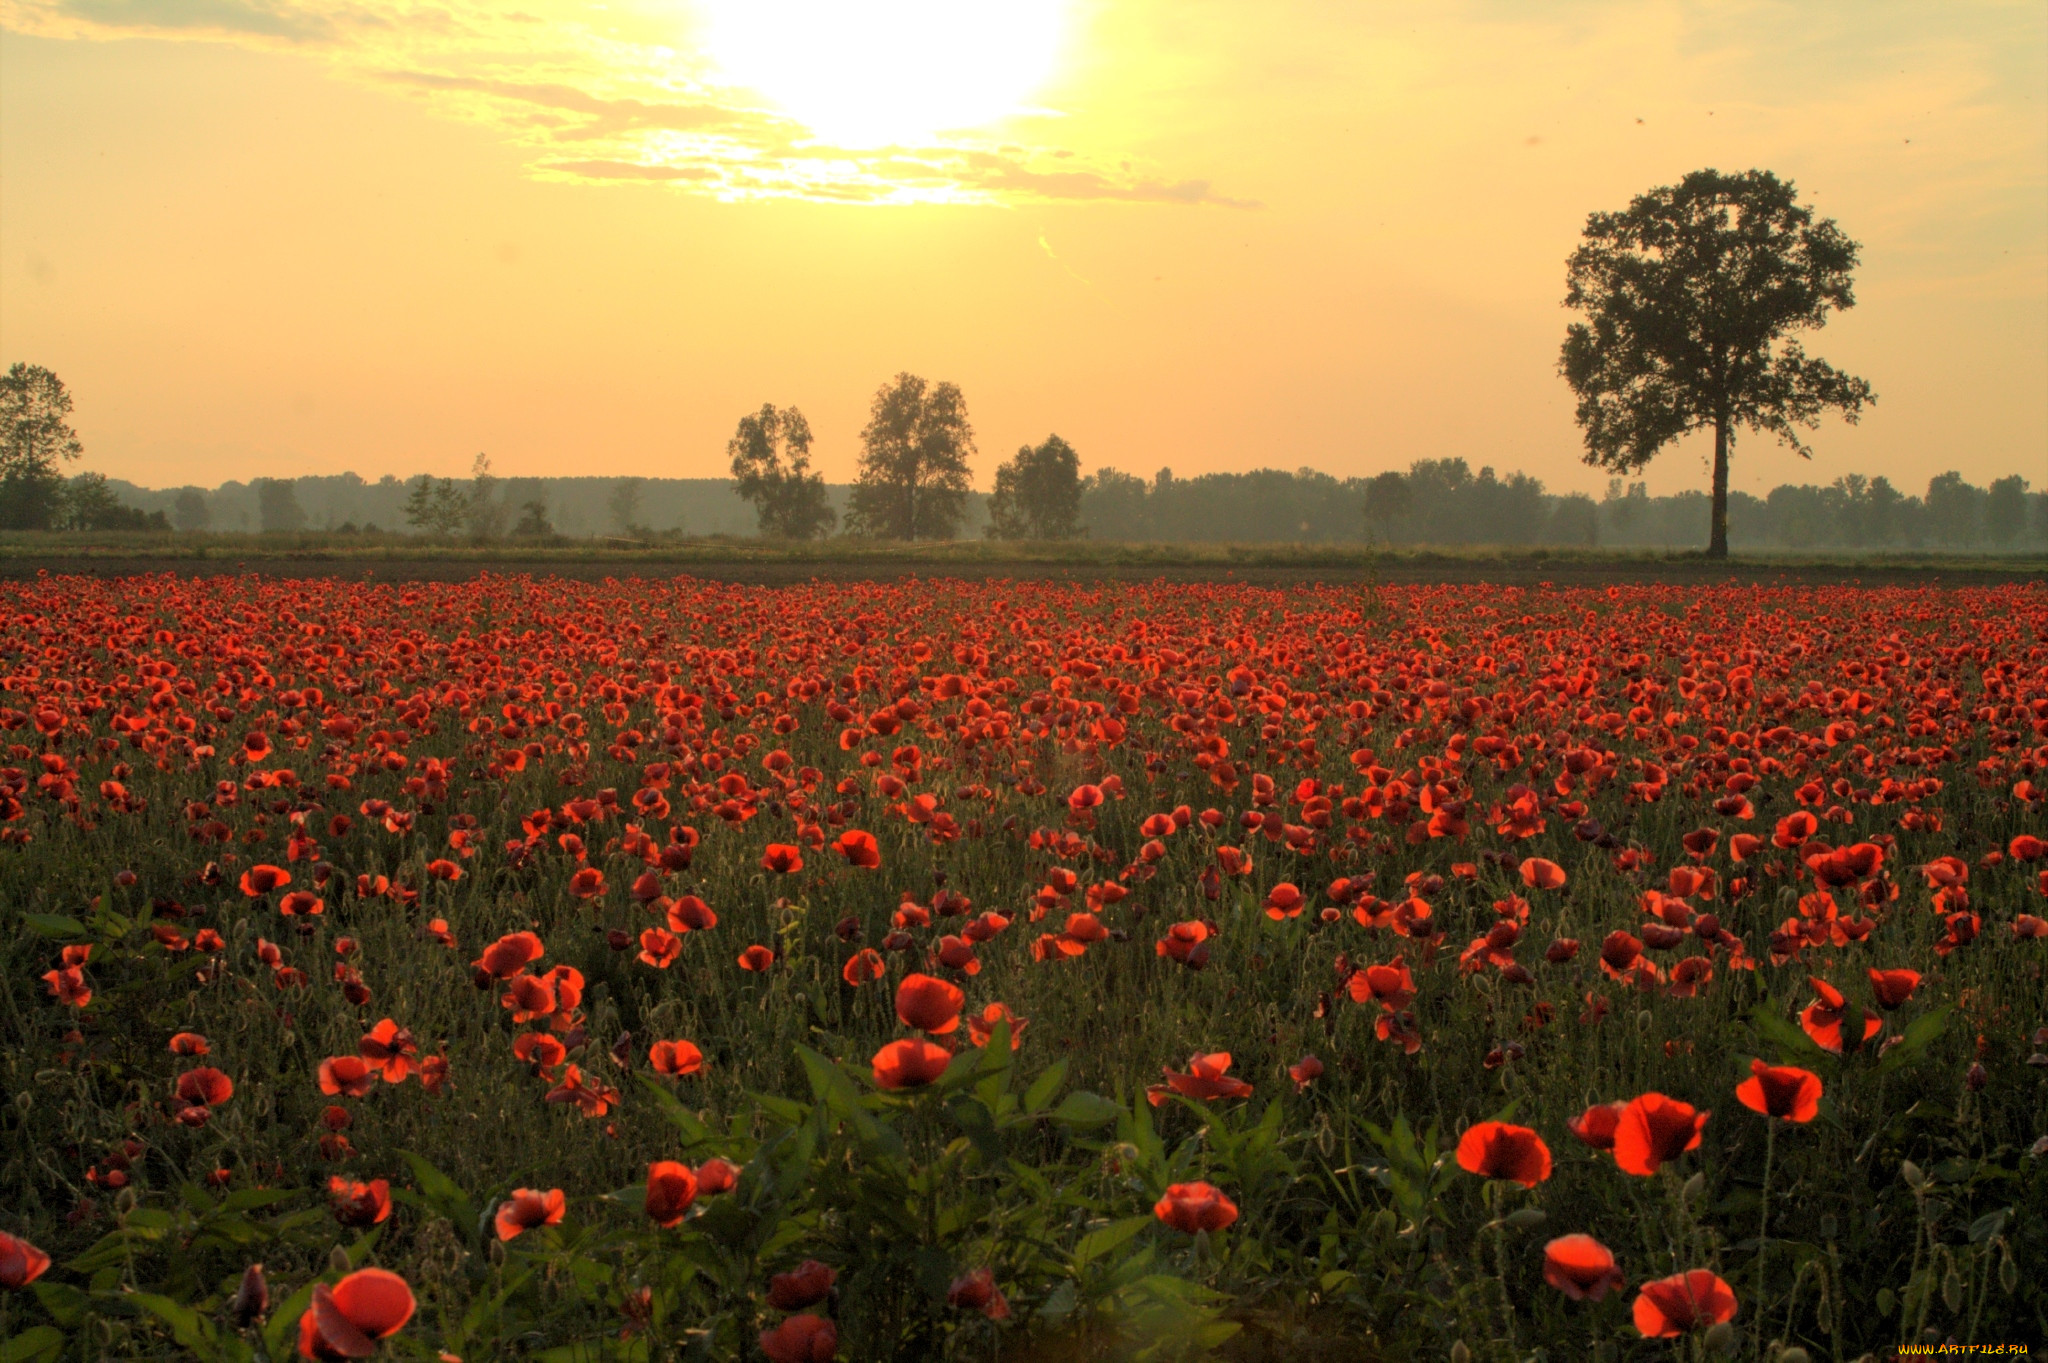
(602, 94)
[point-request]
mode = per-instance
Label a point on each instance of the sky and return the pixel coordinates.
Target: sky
(288, 237)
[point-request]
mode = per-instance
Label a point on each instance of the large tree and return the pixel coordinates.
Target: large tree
(1038, 494)
(1689, 297)
(34, 436)
(771, 467)
(913, 479)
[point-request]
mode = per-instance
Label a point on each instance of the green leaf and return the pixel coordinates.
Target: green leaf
(54, 925)
(441, 1190)
(1770, 1024)
(1985, 1227)
(1920, 1034)
(36, 1343)
(1083, 1109)
(1039, 1096)
(188, 1327)
(695, 1132)
(285, 1319)
(1107, 1239)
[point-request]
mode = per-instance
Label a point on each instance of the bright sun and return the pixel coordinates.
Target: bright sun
(871, 73)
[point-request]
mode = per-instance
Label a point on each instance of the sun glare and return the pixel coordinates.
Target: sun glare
(871, 73)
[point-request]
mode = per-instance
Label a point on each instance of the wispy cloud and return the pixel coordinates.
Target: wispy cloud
(591, 97)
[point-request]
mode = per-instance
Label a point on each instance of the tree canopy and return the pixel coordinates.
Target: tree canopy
(34, 438)
(1689, 297)
(771, 467)
(1038, 494)
(913, 480)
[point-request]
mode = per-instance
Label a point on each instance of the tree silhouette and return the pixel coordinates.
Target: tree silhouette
(34, 436)
(913, 479)
(771, 467)
(1689, 295)
(1038, 494)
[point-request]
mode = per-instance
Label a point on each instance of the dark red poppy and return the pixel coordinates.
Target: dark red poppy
(1580, 1267)
(715, 1176)
(859, 848)
(910, 1064)
(346, 1074)
(529, 1208)
(1193, 1207)
(675, 1057)
(21, 1263)
(671, 1188)
(205, 1086)
(359, 1204)
(1694, 1300)
(981, 1027)
(782, 859)
(1498, 1150)
(757, 959)
(1893, 987)
(346, 1320)
(929, 1004)
(806, 1285)
(976, 1290)
(1653, 1130)
(510, 954)
(1785, 1092)
(1206, 1078)
(1539, 874)
(801, 1339)
(263, 878)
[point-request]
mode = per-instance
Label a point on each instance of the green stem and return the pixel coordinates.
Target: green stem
(1763, 1234)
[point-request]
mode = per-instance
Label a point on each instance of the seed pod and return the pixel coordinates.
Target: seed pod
(1723, 1338)
(1527, 1218)
(1459, 1353)
(2008, 1271)
(1952, 1288)
(1795, 1354)
(1694, 1186)
(1910, 1172)
(337, 1260)
(252, 1298)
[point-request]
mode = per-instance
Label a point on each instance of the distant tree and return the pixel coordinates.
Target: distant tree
(1117, 502)
(436, 507)
(485, 512)
(624, 506)
(1038, 494)
(2005, 510)
(90, 504)
(1952, 509)
(1575, 520)
(277, 506)
(1886, 511)
(771, 467)
(913, 480)
(1689, 295)
(1387, 501)
(190, 510)
(533, 521)
(34, 438)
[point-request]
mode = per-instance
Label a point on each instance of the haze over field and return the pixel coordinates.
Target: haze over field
(285, 237)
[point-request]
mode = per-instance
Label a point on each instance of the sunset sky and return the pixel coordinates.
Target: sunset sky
(280, 237)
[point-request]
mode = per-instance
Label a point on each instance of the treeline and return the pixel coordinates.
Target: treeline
(1434, 502)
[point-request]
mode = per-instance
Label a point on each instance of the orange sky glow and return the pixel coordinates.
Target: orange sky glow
(281, 237)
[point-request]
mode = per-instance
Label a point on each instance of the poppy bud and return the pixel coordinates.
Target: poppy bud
(1694, 1186)
(252, 1298)
(618, 939)
(1526, 1218)
(1794, 1354)
(1910, 1172)
(1976, 1078)
(1459, 1353)
(847, 929)
(1722, 1338)
(337, 1260)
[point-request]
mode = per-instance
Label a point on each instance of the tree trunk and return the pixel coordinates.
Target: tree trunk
(1717, 534)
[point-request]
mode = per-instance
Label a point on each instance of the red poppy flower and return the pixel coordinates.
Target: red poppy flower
(981, 1027)
(1672, 1306)
(691, 914)
(782, 859)
(1284, 901)
(529, 1208)
(391, 1049)
(21, 1263)
(757, 959)
(976, 1290)
(587, 883)
(929, 1004)
(1539, 874)
(801, 1339)
(715, 1176)
(1823, 1018)
(671, 1188)
(675, 1057)
(861, 967)
(806, 1285)
(1893, 987)
(591, 1099)
(1497, 1150)
(1654, 1129)
(510, 954)
(910, 1064)
(262, 879)
(1596, 1125)
(1786, 1092)
(205, 1086)
(190, 1043)
(860, 849)
(1305, 1071)
(346, 1074)
(440, 868)
(540, 1050)
(659, 948)
(1193, 1207)
(1580, 1267)
(359, 1204)
(346, 1320)
(68, 986)
(1187, 943)
(301, 904)
(1205, 1079)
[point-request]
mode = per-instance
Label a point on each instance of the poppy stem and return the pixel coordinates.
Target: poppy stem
(1763, 1233)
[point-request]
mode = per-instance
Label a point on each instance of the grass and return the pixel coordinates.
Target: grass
(1359, 1235)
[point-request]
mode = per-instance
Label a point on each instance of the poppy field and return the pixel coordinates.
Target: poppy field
(650, 969)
